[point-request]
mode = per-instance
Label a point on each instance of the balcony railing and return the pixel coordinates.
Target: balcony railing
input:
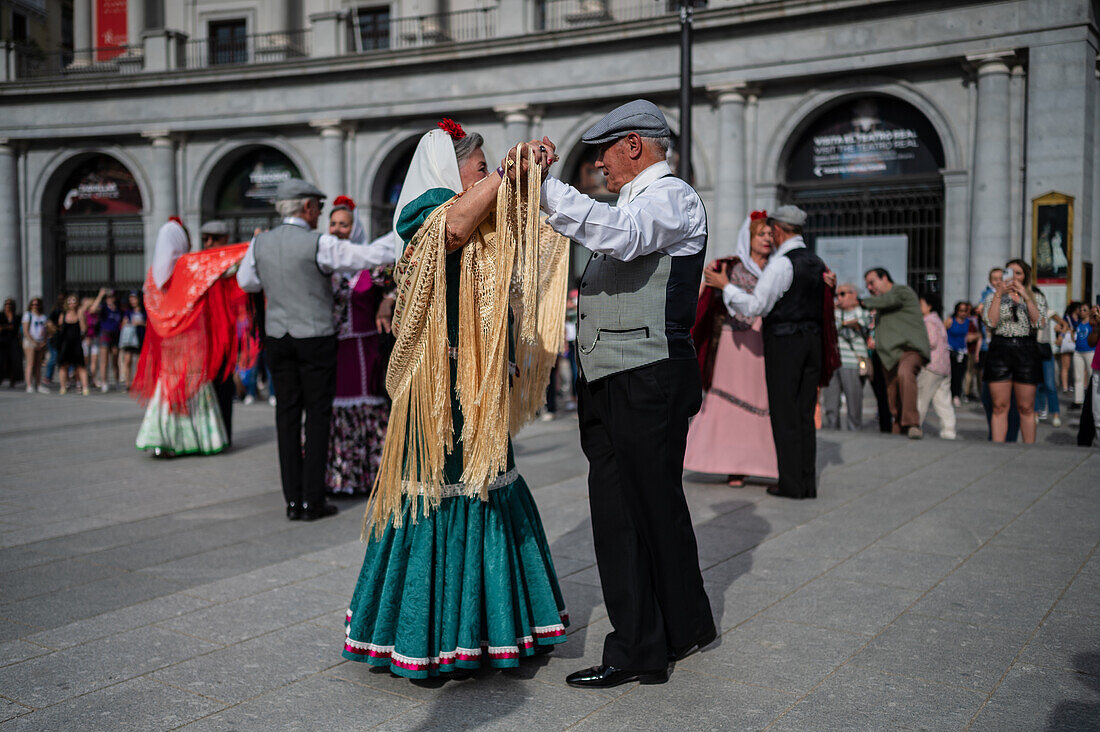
(565, 14)
(34, 63)
(462, 26)
(257, 48)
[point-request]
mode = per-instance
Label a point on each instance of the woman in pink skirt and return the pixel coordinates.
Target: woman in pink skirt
(732, 434)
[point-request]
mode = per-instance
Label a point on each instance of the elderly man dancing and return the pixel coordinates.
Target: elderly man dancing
(639, 387)
(292, 264)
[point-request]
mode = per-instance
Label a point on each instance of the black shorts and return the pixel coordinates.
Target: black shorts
(1012, 359)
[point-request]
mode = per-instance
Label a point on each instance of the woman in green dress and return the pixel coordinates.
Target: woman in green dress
(466, 577)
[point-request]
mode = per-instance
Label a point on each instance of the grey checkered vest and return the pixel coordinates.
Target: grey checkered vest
(299, 295)
(636, 313)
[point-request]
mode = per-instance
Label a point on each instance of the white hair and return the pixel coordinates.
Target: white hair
(663, 143)
(288, 207)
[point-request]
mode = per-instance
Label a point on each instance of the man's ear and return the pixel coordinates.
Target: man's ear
(635, 146)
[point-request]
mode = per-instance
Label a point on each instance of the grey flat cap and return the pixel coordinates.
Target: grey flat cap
(215, 228)
(639, 116)
(292, 188)
(792, 215)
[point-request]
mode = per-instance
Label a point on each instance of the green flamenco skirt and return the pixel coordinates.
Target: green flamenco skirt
(471, 581)
(198, 432)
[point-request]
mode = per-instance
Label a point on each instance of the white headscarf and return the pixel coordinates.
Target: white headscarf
(172, 243)
(744, 252)
(433, 166)
(358, 234)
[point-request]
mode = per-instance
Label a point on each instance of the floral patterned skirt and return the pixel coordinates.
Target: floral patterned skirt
(355, 445)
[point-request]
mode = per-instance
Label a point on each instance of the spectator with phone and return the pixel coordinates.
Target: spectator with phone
(1013, 312)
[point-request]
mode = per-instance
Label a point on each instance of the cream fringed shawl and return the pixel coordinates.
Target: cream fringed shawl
(521, 262)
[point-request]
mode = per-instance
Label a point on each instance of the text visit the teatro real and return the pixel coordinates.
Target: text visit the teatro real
(937, 141)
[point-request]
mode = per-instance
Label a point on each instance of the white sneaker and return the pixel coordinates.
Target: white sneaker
(30, 389)
(104, 387)
(43, 390)
(947, 436)
(547, 417)
(271, 400)
(247, 399)
(1057, 421)
(1041, 415)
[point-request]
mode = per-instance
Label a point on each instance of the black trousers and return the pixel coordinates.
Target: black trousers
(226, 391)
(878, 387)
(792, 367)
(304, 372)
(634, 433)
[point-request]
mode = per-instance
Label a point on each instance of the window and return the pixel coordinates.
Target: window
(19, 32)
(227, 42)
(374, 28)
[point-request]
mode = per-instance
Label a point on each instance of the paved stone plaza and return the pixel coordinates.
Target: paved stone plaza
(934, 585)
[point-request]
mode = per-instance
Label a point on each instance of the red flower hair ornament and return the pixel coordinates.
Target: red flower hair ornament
(757, 215)
(344, 201)
(177, 219)
(452, 128)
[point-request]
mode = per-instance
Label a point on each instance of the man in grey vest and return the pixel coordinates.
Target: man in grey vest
(292, 264)
(639, 387)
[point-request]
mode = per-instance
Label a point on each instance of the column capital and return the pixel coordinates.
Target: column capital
(737, 91)
(160, 138)
(329, 127)
(514, 112)
(992, 62)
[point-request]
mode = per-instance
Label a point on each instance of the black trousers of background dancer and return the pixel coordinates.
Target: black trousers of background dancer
(792, 367)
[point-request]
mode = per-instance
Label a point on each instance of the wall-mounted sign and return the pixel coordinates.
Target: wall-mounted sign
(869, 137)
(1052, 246)
(251, 181)
(100, 185)
(110, 28)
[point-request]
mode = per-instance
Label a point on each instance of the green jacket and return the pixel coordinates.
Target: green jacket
(899, 325)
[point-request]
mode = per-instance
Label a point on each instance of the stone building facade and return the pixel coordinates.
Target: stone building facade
(915, 133)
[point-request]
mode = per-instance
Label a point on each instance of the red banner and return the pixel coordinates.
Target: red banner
(110, 28)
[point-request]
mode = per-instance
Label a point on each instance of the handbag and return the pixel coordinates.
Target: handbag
(1068, 342)
(128, 337)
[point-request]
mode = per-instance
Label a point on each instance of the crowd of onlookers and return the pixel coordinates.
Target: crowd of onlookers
(1008, 350)
(93, 342)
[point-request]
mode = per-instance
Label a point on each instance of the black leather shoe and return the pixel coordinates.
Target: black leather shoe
(323, 510)
(700, 643)
(603, 677)
(293, 511)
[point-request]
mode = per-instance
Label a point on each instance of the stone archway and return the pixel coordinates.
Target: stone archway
(240, 188)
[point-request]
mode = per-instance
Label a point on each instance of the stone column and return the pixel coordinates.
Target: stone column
(990, 224)
(1018, 92)
(165, 198)
(135, 21)
(333, 157)
(956, 229)
(730, 193)
(517, 121)
(11, 249)
(82, 32)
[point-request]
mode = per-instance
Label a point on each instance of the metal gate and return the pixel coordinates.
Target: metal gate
(912, 209)
(243, 224)
(99, 251)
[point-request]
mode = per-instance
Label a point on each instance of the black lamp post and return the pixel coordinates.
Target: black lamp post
(687, 17)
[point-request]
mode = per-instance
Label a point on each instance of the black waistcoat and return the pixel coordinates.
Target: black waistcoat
(801, 306)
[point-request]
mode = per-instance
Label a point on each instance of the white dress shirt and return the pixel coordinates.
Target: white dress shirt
(773, 283)
(333, 255)
(653, 213)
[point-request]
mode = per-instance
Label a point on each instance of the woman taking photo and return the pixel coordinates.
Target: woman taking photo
(456, 561)
(34, 346)
(732, 433)
(1014, 311)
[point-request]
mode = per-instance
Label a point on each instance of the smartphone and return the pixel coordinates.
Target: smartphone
(1007, 276)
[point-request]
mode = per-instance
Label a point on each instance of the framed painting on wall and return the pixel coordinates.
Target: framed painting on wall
(1052, 246)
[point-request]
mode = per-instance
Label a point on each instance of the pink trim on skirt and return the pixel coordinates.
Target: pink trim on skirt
(726, 438)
